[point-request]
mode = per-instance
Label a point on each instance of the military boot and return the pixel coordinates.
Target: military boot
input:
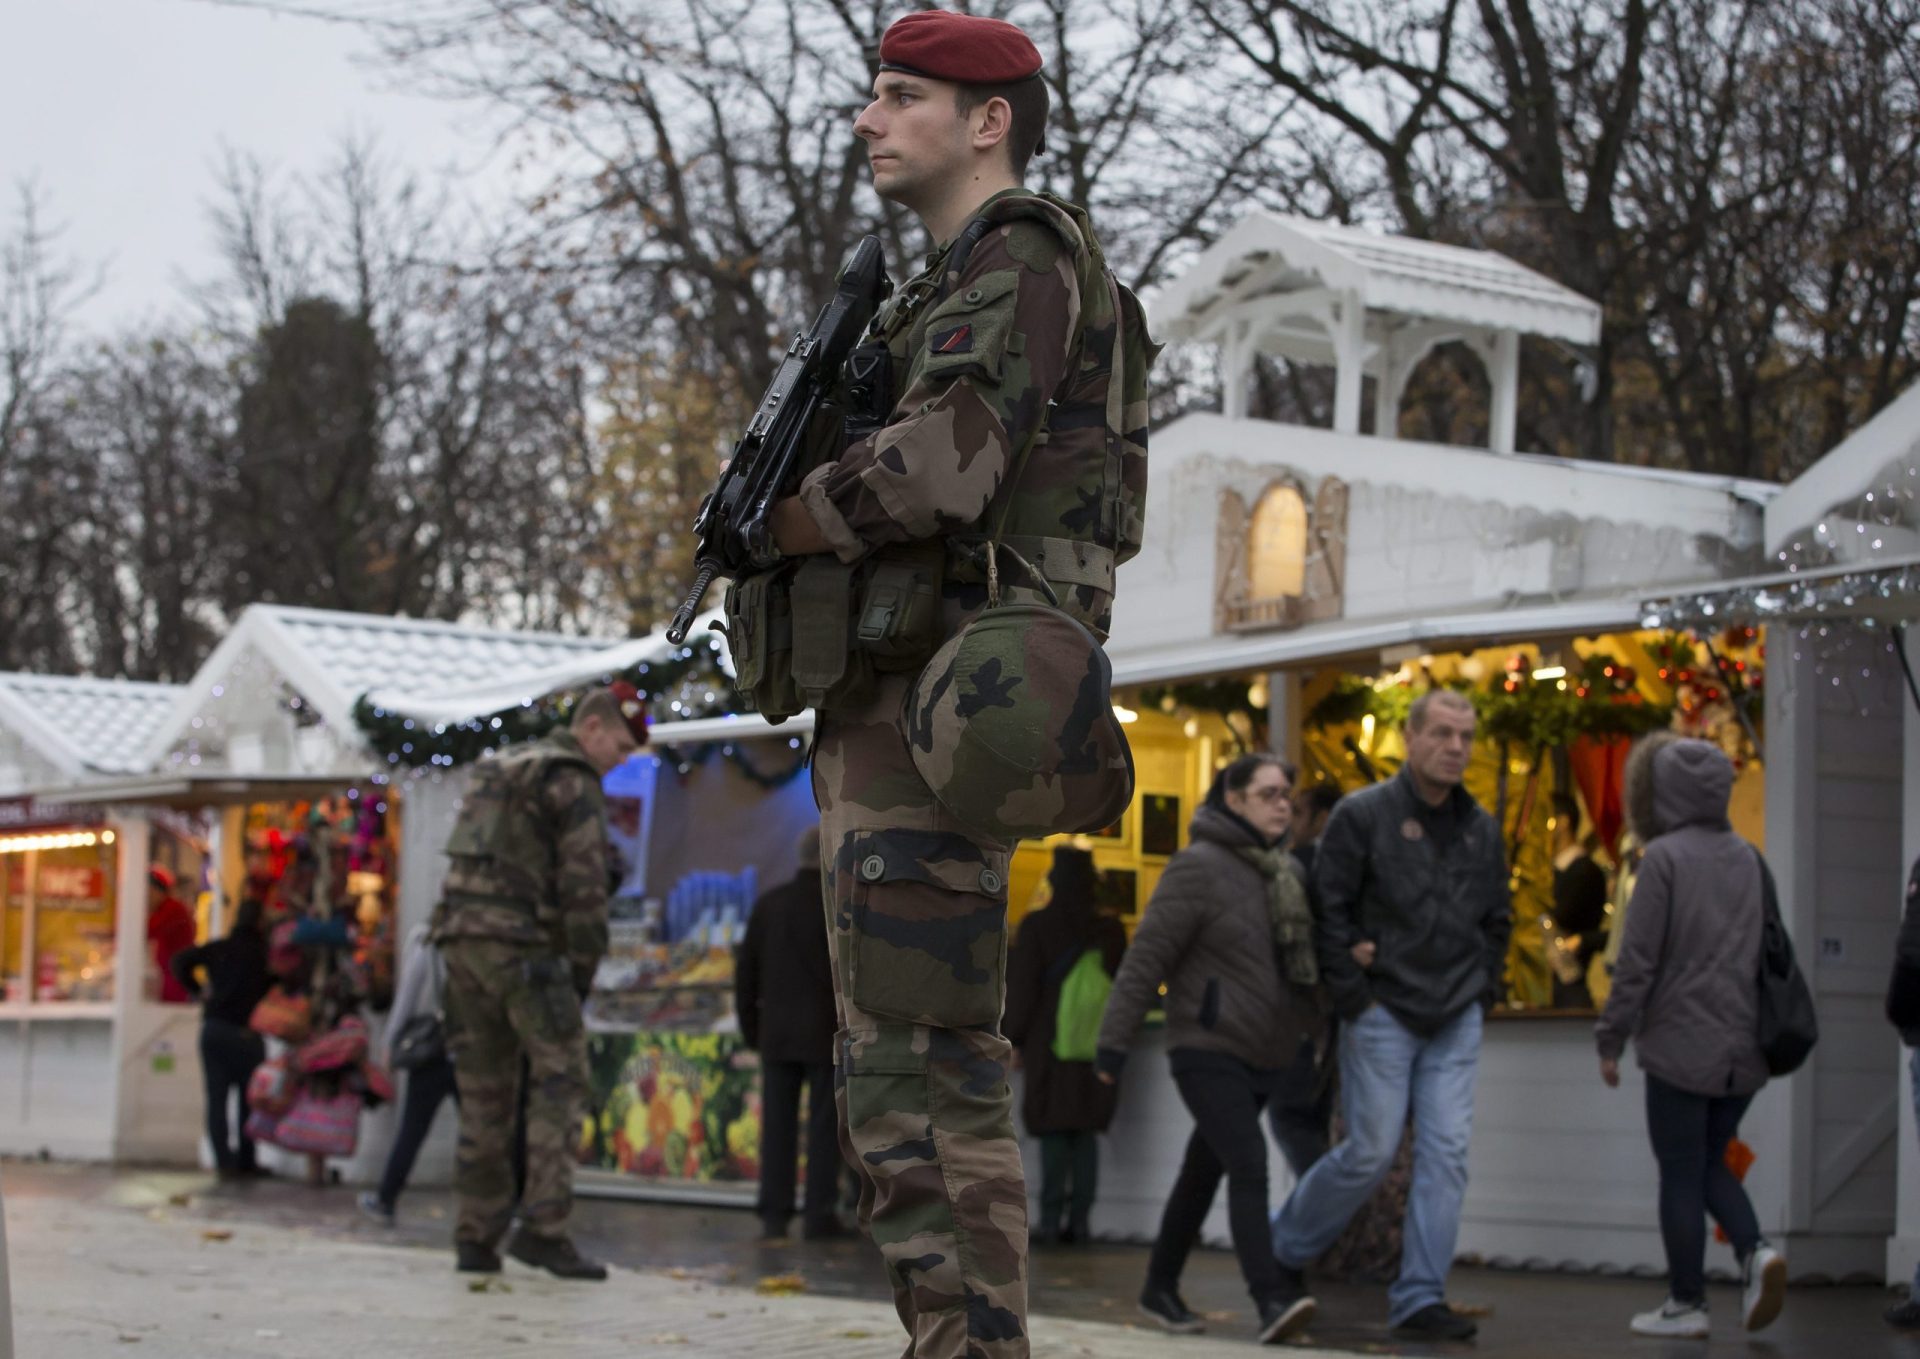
(474, 1258)
(555, 1254)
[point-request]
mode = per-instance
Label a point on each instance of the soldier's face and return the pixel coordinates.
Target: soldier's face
(606, 745)
(917, 142)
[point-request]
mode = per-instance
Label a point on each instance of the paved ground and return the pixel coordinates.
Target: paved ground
(180, 1267)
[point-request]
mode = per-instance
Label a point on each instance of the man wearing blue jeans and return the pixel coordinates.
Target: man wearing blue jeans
(1413, 916)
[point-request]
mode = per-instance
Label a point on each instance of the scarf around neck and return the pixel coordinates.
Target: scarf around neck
(1287, 906)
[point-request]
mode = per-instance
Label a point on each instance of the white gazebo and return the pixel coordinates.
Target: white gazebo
(1367, 305)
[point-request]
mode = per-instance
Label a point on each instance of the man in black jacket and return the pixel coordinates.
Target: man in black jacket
(783, 989)
(1413, 916)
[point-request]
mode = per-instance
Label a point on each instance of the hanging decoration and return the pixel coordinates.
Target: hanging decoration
(1241, 705)
(688, 683)
(1554, 705)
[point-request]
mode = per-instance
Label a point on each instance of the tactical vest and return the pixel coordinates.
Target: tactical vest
(817, 632)
(1075, 534)
(502, 854)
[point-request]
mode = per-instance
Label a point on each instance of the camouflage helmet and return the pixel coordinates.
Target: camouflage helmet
(1012, 726)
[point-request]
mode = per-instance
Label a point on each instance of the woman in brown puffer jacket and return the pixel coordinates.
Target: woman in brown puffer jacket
(1686, 991)
(1230, 933)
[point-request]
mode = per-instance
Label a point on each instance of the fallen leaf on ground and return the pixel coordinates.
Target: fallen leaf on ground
(489, 1286)
(216, 1234)
(1218, 1316)
(780, 1285)
(855, 1334)
(180, 1200)
(1470, 1309)
(678, 1273)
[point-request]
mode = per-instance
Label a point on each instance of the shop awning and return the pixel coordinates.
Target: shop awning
(1347, 640)
(464, 703)
(175, 790)
(743, 727)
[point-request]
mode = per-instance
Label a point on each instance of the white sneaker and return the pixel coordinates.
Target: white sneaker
(1765, 1290)
(1674, 1318)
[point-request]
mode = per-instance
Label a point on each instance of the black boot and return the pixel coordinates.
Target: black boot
(474, 1258)
(555, 1254)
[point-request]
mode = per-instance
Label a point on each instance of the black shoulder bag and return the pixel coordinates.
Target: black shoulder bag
(1789, 1028)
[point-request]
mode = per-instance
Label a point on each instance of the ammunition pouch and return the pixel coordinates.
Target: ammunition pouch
(817, 633)
(759, 633)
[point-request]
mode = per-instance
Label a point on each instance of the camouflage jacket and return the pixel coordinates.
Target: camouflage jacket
(529, 855)
(1013, 351)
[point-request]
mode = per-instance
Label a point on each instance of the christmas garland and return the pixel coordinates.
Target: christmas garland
(1598, 698)
(688, 682)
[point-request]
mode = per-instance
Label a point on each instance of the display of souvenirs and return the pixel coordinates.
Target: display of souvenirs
(324, 872)
(640, 985)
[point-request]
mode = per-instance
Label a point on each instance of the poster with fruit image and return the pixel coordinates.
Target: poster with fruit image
(673, 1106)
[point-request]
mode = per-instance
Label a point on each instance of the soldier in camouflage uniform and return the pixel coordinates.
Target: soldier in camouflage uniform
(1003, 362)
(522, 924)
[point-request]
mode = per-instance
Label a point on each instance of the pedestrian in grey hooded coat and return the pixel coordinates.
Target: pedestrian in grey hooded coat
(1686, 992)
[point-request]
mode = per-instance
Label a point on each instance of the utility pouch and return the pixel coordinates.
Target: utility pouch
(827, 671)
(898, 624)
(759, 633)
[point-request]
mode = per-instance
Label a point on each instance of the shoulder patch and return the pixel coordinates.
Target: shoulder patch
(955, 340)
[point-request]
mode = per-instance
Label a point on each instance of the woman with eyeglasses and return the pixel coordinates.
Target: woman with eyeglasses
(1230, 934)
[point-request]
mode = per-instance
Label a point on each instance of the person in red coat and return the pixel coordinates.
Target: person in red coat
(170, 929)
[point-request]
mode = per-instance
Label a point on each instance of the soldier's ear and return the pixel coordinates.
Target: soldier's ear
(992, 123)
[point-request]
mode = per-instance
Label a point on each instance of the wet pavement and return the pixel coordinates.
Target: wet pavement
(1522, 1315)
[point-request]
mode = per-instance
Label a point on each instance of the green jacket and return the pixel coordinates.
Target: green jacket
(1011, 354)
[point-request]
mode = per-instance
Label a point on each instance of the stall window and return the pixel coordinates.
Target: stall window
(57, 933)
(13, 925)
(1277, 545)
(73, 920)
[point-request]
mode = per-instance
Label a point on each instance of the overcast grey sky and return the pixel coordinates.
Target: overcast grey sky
(119, 109)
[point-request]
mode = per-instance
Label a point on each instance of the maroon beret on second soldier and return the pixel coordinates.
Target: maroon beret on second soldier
(960, 48)
(633, 709)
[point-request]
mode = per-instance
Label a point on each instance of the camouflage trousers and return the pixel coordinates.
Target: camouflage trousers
(499, 1009)
(917, 917)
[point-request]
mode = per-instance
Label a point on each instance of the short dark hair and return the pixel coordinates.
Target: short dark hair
(1417, 714)
(1567, 809)
(597, 703)
(1028, 101)
(1235, 777)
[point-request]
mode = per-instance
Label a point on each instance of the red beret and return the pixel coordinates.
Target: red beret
(633, 709)
(960, 48)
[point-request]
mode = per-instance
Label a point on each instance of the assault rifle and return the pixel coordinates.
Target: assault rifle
(731, 528)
